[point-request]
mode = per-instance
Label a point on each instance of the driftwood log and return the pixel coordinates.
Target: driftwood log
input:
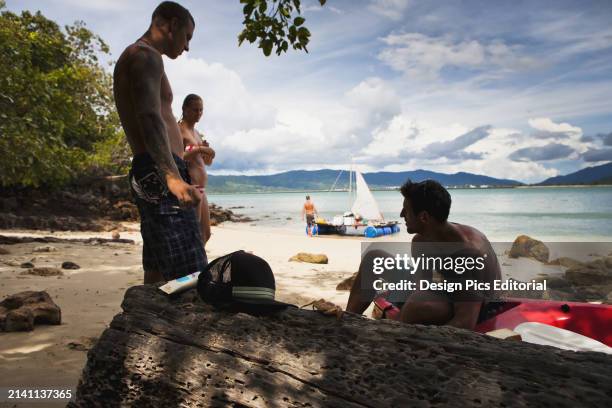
(10, 240)
(181, 353)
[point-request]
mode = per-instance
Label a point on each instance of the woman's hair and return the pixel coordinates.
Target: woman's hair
(190, 98)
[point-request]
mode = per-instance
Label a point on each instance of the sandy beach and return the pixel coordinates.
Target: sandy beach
(53, 356)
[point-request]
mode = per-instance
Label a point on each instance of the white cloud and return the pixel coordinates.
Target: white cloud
(566, 133)
(392, 9)
(422, 56)
(309, 8)
(228, 105)
(547, 125)
(374, 102)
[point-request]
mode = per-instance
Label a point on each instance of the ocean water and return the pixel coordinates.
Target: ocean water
(553, 214)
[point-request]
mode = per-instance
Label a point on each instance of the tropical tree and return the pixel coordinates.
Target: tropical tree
(56, 108)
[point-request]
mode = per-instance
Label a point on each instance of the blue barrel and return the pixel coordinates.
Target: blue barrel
(396, 228)
(379, 232)
(387, 230)
(370, 232)
(315, 229)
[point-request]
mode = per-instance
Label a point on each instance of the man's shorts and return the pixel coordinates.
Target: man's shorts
(309, 219)
(172, 244)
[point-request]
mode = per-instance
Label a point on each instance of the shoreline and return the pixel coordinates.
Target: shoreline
(302, 191)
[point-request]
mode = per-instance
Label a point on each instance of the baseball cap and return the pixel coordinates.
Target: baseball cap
(242, 281)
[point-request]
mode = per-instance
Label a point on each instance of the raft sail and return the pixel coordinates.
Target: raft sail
(365, 217)
(365, 205)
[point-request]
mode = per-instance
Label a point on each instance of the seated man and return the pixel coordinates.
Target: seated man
(425, 211)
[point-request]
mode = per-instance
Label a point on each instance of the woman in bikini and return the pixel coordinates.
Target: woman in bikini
(198, 155)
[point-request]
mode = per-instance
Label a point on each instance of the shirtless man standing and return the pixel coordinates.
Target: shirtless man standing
(310, 212)
(172, 245)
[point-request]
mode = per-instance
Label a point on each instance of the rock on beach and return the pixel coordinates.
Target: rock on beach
(21, 311)
(310, 258)
(525, 246)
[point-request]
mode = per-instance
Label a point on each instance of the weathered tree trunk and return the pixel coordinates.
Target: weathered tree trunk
(170, 353)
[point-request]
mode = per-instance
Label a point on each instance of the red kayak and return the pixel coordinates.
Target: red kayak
(591, 320)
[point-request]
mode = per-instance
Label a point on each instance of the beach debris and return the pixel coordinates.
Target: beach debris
(82, 344)
(45, 248)
(11, 262)
(19, 312)
(124, 211)
(527, 247)
(325, 307)
(347, 283)
(43, 271)
(597, 272)
(26, 265)
(10, 240)
(70, 265)
(115, 235)
(566, 262)
(4, 251)
(196, 354)
(310, 258)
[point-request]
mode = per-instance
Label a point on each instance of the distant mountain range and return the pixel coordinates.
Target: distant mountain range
(304, 180)
(591, 175)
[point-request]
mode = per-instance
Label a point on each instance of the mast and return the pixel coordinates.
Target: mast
(350, 194)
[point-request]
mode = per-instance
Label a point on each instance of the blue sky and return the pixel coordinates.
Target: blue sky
(516, 89)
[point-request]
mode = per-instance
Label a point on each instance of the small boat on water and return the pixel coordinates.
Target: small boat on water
(364, 219)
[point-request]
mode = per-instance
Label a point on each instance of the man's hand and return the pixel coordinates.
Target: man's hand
(188, 195)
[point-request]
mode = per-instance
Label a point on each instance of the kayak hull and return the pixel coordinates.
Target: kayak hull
(587, 319)
(591, 320)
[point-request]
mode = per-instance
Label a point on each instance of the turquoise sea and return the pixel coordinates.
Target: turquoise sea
(553, 214)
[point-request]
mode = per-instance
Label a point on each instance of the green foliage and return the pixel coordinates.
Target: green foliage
(56, 106)
(273, 25)
(111, 156)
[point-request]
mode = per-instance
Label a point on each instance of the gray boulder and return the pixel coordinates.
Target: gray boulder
(597, 272)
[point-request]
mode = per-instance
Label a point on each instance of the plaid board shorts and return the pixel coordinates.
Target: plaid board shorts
(172, 243)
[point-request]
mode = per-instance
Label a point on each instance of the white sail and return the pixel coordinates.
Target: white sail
(365, 205)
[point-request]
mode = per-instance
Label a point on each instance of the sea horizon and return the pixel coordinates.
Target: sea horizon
(553, 214)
